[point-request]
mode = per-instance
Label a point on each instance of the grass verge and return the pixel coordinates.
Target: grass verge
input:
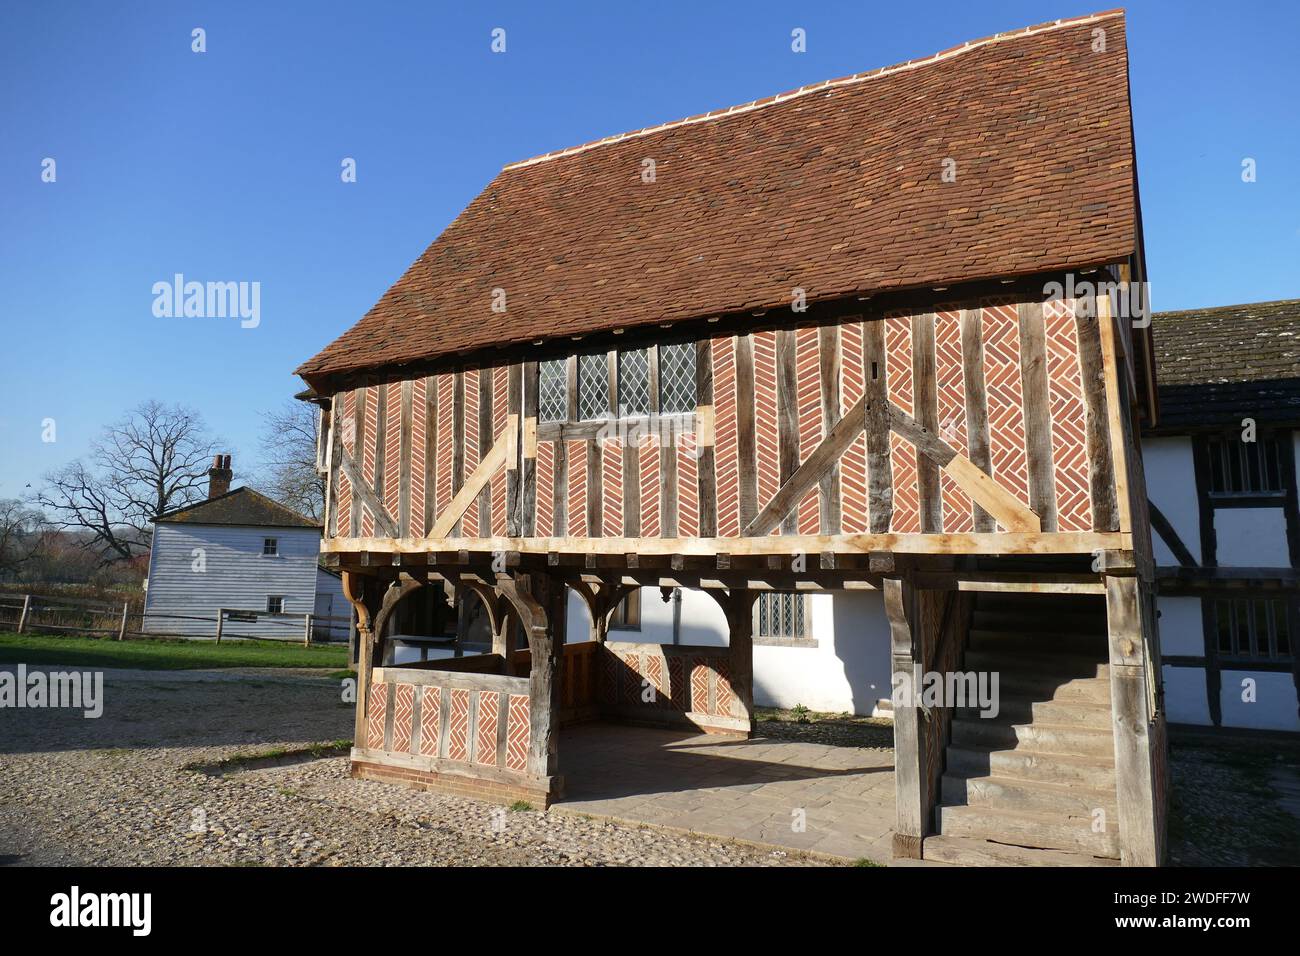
(164, 655)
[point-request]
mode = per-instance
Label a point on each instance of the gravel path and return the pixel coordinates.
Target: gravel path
(116, 791)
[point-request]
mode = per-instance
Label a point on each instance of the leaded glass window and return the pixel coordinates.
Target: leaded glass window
(593, 387)
(781, 616)
(634, 382)
(676, 379)
(553, 392)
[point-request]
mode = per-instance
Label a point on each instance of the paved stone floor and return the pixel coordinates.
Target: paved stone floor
(750, 790)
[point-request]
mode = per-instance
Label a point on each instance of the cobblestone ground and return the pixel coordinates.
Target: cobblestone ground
(116, 791)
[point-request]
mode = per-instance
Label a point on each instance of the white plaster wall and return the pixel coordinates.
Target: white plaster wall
(848, 669)
(1181, 632)
(1274, 707)
(1171, 485)
(1185, 700)
(1251, 537)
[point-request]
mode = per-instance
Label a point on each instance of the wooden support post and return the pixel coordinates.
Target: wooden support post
(1131, 721)
(121, 628)
(353, 584)
(306, 629)
(740, 651)
(909, 741)
(540, 602)
(221, 614)
(27, 608)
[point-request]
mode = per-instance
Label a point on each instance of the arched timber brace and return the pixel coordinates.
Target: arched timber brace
(601, 600)
(539, 600)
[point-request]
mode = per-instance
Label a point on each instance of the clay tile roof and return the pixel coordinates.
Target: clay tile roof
(834, 188)
(244, 507)
(1216, 366)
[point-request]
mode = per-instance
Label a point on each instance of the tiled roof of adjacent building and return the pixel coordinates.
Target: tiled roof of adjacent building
(243, 506)
(837, 188)
(1217, 366)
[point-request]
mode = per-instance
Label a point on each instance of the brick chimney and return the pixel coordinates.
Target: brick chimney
(219, 476)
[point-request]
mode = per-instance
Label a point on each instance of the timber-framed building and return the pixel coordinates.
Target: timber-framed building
(841, 338)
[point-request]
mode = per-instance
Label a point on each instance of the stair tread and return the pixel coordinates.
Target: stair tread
(1001, 721)
(1084, 761)
(1002, 854)
(1044, 786)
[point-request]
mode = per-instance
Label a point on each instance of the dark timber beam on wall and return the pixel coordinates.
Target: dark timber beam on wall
(514, 475)
(880, 472)
(457, 439)
(830, 365)
(746, 437)
(977, 407)
(926, 399)
(381, 439)
(430, 453)
(486, 429)
(704, 437)
(1038, 412)
(787, 417)
(528, 457)
(407, 392)
(1166, 531)
(1101, 469)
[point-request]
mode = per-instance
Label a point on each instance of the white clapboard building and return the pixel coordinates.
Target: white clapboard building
(240, 551)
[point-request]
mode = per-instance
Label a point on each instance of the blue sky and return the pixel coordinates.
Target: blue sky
(225, 165)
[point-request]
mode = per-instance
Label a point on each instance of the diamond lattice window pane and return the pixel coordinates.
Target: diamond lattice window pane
(676, 379)
(552, 392)
(634, 383)
(593, 387)
(781, 616)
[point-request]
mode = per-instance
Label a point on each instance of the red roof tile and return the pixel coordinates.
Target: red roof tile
(834, 188)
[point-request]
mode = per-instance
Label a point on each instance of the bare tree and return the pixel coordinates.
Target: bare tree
(289, 453)
(20, 535)
(152, 461)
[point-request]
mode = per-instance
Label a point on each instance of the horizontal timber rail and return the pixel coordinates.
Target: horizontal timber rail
(986, 543)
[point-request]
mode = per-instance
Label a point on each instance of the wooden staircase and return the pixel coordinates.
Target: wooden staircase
(1023, 788)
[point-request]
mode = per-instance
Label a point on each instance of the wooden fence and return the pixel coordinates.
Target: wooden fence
(31, 613)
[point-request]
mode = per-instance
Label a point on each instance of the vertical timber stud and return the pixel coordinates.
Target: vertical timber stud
(1131, 722)
(787, 419)
(704, 438)
(528, 454)
(926, 397)
(457, 439)
(880, 474)
(486, 437)
(405, 523)
(514, 467)
(1038, 412)
(746, 437)
(909, 759)
(430, 456)
(977, 406)
(829, 370)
